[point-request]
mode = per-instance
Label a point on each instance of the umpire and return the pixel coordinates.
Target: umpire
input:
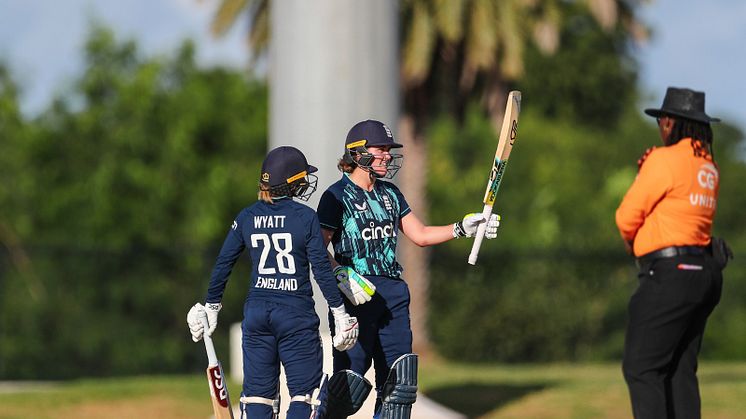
(665, 219)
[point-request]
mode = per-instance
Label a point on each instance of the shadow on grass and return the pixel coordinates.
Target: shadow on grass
(475, 400)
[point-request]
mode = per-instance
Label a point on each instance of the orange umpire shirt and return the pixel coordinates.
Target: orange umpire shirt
(671, 202)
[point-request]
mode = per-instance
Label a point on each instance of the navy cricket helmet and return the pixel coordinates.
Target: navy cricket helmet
(371, 133)
(286, 172)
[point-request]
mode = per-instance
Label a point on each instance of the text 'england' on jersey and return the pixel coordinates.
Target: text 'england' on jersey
(275, 237)
(283, 240)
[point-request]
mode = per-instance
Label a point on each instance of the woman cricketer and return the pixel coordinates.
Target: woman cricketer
(280, 324)
(362, 215)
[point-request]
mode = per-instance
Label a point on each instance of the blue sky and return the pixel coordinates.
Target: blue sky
(696, 43)
(699, 44)
(43, 39)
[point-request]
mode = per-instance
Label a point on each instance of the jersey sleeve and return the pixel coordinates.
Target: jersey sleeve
(232, 247)
(652, 183)
(330, 211)
(322, 268)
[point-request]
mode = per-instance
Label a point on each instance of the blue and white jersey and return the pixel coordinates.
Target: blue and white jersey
(282, 238)
(365, 224)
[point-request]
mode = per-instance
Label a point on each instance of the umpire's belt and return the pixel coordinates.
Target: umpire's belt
(670, 252)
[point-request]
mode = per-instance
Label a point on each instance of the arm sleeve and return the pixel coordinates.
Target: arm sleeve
(322, 269)
(232, 247)
(329, 211)
(652, 183)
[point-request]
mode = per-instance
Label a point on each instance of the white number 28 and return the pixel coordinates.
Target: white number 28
(282, 244)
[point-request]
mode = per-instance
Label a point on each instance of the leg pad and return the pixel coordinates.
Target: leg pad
(341, 395)
(400, 390)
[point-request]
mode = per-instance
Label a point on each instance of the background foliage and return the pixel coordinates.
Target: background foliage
(555, 284)
(114, 202)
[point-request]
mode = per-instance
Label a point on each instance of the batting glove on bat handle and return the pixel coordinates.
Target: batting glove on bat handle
(492, 224)
(194, 320)
(212, 310)
(468, 226)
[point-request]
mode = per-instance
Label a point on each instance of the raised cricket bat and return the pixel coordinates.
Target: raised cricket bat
(221, 403)
(508, 134)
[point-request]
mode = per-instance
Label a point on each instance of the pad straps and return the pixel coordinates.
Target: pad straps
(257, 400)
(400, 390)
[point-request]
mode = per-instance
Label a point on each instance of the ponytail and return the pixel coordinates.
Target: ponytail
(700, 134)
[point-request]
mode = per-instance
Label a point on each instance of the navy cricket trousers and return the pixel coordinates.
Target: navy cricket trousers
(385, 330)
(276, 333)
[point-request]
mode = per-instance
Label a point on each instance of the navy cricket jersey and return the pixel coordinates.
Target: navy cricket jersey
(282, 238)
(365, 224)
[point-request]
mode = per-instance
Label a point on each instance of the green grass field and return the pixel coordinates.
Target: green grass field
(575, 391)
(479, 391)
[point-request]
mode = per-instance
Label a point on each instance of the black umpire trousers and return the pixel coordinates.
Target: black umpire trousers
(667, 317)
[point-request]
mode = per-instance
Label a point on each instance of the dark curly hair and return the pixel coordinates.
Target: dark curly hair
(700, 134)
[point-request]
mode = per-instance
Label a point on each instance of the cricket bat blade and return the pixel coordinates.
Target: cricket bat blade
(508, 134)
(221, 402)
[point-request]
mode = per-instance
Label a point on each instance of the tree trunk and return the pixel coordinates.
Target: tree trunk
(495, 97)
(313, 105)
(413, 178)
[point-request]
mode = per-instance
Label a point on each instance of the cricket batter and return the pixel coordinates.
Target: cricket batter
(280, 324)
(362, 215)
(665, 219)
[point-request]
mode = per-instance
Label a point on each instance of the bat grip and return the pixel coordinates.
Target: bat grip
(481, 229)
(212, 357)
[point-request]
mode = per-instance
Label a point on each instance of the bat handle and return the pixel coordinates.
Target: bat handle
(481, 229)
(212, 357)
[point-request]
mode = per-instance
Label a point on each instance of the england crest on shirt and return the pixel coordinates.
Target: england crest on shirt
(386, 202)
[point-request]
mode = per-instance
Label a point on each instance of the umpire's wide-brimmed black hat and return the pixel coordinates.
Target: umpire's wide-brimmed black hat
(284, 165)
(371, 133)
(683, 103)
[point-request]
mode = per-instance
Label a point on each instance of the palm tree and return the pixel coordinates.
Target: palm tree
(483, 41)
(468, 48)
(258, 13)
(457, 49)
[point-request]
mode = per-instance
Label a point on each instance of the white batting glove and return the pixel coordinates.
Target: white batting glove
(212, 310)
(194, 316)
(345, 329)
(492, 225)
(470, 223)
(354, 286)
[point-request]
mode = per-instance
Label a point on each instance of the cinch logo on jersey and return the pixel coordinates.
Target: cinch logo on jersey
(373, 231)
(282, 284)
